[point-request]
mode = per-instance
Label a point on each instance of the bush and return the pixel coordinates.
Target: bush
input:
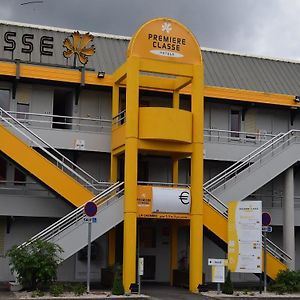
(227, 286)
(286, 282)
(56, 290)
(35, 264)
(118, 288)
(79, 289)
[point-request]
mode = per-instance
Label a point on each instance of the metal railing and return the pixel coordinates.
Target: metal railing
(119, 119)
(61, 161)
(76, 216)
(268, 149)
(222, 208)
(40, 120)
(228, 136)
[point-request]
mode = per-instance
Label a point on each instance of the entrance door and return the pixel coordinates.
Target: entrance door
(62, 108)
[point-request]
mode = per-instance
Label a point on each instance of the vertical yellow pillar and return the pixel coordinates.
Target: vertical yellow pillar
(112, 247)
(176, 99)
(196, 221)
(113, 167)
(175, 170)
(130, 184)
(174, 244)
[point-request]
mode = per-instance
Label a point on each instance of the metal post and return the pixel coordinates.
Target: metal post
(89, 255)
(138, 259)
(218, 288)
(265, 262)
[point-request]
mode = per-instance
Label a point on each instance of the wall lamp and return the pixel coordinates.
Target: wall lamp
(297, 99)
(101, 74)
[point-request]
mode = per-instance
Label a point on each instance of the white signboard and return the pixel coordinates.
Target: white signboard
(217, 262)
(218, 274)
(244, 236)
(141, 266)
(171, 200)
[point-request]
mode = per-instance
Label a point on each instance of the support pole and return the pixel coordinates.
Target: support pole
(196, 220)
(131, 165)
(112, 247)
(174, 244)
(289, 217)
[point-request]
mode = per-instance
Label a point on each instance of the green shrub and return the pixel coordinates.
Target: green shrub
(35, 264)
(227, 286)
(56, 289)
(37, 293)
(286, 282)
(78, 289)
(118, 288)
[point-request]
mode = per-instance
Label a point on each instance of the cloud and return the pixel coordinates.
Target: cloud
(266, 27)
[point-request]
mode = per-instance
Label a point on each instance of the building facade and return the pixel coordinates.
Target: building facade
(55, 107)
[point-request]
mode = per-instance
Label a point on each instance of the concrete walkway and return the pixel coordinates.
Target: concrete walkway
(161, 292)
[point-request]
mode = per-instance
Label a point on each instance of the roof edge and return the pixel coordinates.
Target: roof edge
(67, 30)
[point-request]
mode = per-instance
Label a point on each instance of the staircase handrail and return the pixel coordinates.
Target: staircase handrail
(248, 159)
(74, 215)
(278, 252)
(59, 161)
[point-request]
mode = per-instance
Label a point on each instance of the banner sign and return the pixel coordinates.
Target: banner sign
(244, 236)
(165, 39)
(163, 202)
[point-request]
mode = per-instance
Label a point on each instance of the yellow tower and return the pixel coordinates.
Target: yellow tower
(163, 55)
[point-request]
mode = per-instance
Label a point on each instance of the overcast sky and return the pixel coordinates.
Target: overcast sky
(256, 27)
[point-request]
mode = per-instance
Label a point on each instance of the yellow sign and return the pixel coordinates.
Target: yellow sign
(165, 39)
(144, 206)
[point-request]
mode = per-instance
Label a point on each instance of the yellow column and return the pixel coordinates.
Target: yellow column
(111, 247)
(113, 167)
(115, 100)
(175, 171)
(174, 243)
(196, 221)
(131, 161)
(176, 99)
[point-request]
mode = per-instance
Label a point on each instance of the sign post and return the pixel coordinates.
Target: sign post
(90, 209)
(217, 271)
(266, 220)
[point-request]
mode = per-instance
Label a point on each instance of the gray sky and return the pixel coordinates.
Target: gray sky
(258, 27)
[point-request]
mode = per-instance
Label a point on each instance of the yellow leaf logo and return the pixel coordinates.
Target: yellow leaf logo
(77, 45)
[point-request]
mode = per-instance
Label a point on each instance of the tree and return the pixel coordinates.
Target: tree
(118, 288)
(227, 287)
(35, 264)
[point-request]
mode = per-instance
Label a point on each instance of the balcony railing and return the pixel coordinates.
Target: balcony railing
(86, 124)
(241, 137)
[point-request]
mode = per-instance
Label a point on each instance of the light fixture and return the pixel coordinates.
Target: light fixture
(101, 74)
(297, 99)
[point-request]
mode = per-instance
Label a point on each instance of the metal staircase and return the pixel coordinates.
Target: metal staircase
(52, 168)
(70, 232)
(257, 168)
(215, 219)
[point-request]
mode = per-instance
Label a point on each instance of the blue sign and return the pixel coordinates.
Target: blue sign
(90, 209)
(265, 219)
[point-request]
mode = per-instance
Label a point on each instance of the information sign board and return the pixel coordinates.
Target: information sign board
(244, 236)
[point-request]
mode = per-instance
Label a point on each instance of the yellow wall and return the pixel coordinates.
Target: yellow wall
(161, 123)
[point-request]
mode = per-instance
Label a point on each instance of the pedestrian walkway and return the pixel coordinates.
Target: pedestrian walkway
(164, 292)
